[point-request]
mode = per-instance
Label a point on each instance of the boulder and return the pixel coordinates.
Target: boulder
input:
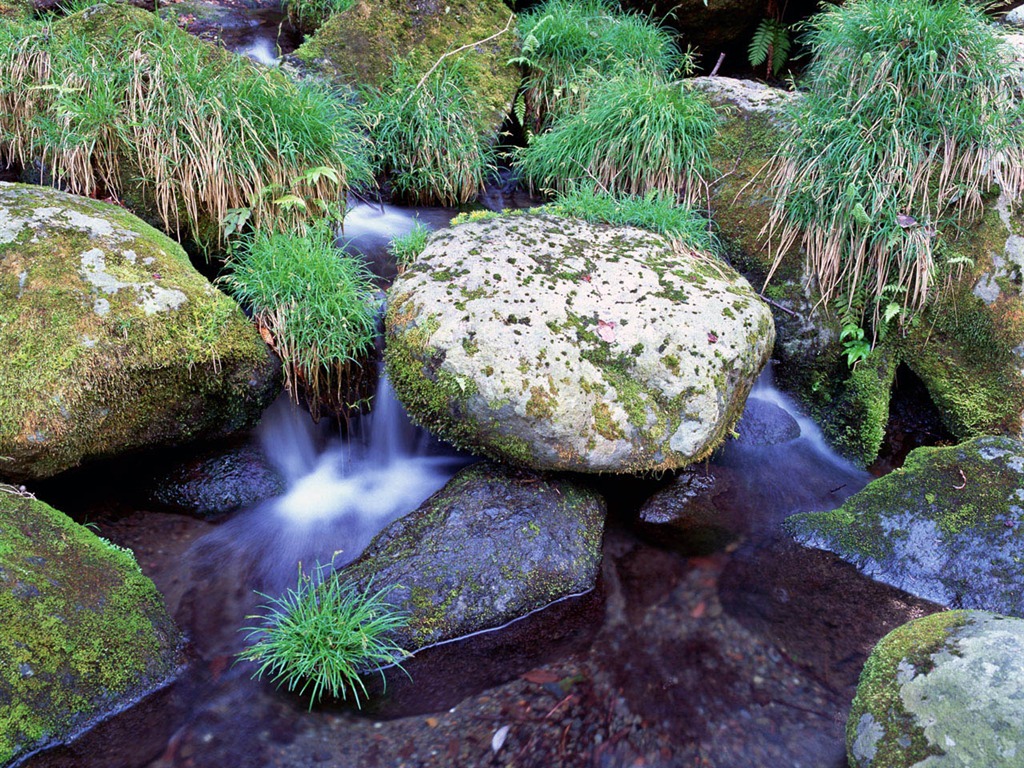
(764, 423)
(943, 690)
(552, 343)
(685, 515)
(948, 527)
(83, 632)
(492, 546)
(219, 481)
(359, 46)
(112, 340)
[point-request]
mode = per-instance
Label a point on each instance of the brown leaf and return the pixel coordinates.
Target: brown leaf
(541, 676)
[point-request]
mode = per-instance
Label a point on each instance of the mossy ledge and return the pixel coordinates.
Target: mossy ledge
(82, 630)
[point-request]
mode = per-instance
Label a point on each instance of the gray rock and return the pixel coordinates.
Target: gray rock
(948, 527)
(943, 691)
(492, 546)
(557, 344)
(685, 517)
(112, 340)
(764, 423)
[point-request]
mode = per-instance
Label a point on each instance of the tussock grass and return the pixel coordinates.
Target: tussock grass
(309, 15)
(135, 108)
(313, 304)
(635, 134)
(566, 43)
(321, 637)
(910, 119)
(425, 139)
(405, 249)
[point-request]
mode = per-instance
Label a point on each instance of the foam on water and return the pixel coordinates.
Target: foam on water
(261, 50)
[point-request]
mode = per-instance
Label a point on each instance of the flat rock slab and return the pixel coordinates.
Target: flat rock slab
(944, 691)
(557, 344)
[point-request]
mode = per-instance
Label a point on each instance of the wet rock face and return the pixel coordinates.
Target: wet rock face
(764, 423)
(943, 690)
(555, 344)
(217, 483)
(82, 632)
(492, 546)
(948, 527)
(685, 517)
(113, 341)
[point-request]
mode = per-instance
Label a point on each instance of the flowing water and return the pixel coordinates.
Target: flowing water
(743, 656)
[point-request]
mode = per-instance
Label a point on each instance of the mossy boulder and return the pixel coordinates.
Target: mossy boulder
(359, 46)
(552, 343)
(112, 340)
(942, 691)
(83, 632)
(947, 527)
(492, 546)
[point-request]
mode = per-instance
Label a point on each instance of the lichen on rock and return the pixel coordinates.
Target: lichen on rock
(113, 340)
(556, 344)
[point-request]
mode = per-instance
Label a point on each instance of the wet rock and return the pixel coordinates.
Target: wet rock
(113, 340)
(685, 517)
(216, 483)
(556, 344)
(82, 632)
(765, 423)
(492, 546)
(360, 46)
(948, 527)
(943, 690)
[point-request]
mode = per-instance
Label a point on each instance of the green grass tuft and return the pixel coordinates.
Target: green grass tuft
(637, 133)
(309, 15)
(425, 137)
(911, 116)
(312, 302)
(321, 637)
(406, 248)
(565, 43)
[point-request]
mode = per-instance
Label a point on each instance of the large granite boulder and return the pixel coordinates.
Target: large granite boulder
(360, 46)
(943, 691)
(83, 632)
(948, 527)
(557, 344)
(112, 340)
(492, 546)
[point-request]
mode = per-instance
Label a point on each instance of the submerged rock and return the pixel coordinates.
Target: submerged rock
(946, 690)
(490, 547)
(556, 344)
(113, 341)
(684, 515)
(948, 527)
(82, 631)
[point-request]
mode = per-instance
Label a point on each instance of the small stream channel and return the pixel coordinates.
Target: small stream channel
(741, 654)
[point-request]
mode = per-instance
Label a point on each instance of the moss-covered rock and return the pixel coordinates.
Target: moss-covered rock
(15, 10)
(358, 46)
(492, 546)
(948, 526)
(82, 631)
(112, 340)
(552, 343)
(943, 691)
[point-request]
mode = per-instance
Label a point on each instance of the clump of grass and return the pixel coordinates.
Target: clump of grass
(655, 211)
(321, 637)
(313, 304)
(910, 118)
(115, 102)
(404, 249)
(565, 43)
(309, 15)
(635, 134)
(425, 138)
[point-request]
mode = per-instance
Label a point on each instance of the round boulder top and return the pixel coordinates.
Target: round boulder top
(557, 344)
(945, 690)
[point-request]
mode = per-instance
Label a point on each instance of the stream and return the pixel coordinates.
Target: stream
(741, 655)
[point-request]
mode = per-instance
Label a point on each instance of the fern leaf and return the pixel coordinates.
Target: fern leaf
(757, 53)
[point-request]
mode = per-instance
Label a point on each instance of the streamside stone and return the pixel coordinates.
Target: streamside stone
(490, 547)
(112, 340)
(943, 691)
(553, 343)
(947, 527)
(83, 633)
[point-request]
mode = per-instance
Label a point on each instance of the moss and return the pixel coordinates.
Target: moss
(605, 425)
(856, 420)
(80, 627)
(359, 45)
(78, 383)
(878, 694)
